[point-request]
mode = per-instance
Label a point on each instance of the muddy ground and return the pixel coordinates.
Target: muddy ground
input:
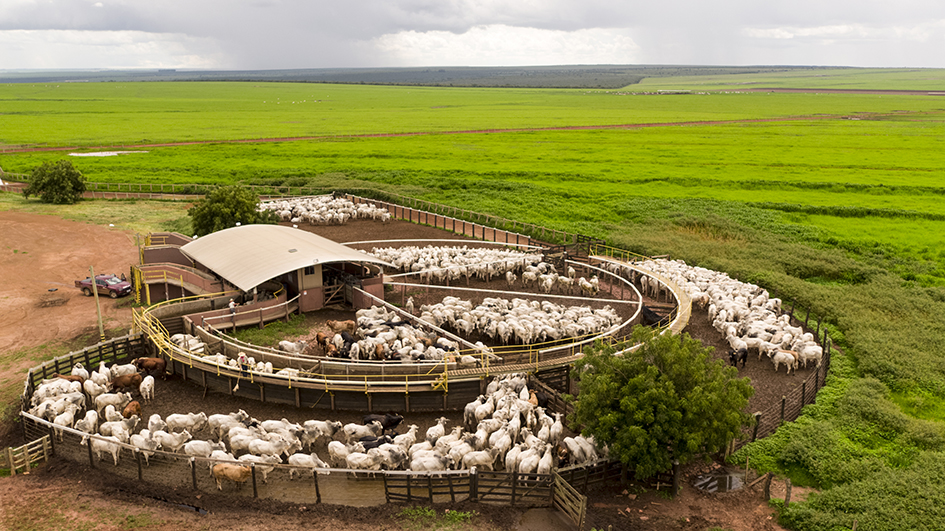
(51, 252)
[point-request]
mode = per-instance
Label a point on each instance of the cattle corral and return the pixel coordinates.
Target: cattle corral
(176, 395)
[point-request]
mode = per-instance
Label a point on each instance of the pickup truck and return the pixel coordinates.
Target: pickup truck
(109, 285)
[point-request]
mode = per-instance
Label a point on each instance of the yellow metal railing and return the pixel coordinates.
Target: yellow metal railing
(614, 252)
(152, 239)
(679, 318)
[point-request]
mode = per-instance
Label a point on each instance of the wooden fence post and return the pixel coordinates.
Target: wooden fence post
(514, 478)
(675, 478)
(252, 468)
(787, 492)
(318, 493)
(88, 443)
(783, 401)
(754, 432)
(12, 462)
(193, 471)
(767, 486)
(473, 484)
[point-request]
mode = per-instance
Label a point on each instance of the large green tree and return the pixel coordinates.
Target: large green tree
(57, 182)
(667, 400)
(224, 207)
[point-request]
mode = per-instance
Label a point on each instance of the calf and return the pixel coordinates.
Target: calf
(735, 356)
(236, 473)
(119, 401)
(147, 388)
(69, 377)
(133, 408)
(388, 421)
(338, 326)
(120, 383)
(105, 445)
(190, 421)
(150, 365)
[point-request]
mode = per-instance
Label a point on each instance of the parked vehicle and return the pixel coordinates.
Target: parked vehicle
(109, 285)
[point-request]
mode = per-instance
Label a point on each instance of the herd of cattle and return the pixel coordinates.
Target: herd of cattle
(506, 428)
(745, 314)
(322, 210)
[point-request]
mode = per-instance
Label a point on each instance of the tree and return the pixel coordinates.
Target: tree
(56, 182)
(223, 207)
(667, 400)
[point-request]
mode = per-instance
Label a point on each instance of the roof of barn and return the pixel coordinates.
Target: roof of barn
(249, 255)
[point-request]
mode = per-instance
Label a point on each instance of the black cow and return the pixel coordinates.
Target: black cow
(648, 317)
(373, 442)
(741, 355)
(388, 421)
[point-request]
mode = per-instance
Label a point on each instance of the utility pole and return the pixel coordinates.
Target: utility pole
(98, 307)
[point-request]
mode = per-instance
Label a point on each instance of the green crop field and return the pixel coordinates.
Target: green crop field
(834, 199)
(89, 114)
(825, 78)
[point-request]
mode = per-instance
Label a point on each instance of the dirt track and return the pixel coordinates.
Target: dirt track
(52, 252)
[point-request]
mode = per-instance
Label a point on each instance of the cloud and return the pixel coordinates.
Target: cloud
(502, 45)
(51, 49)
(273, 34)
(919, 32)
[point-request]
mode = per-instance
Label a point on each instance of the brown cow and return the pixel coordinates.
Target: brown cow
(133, 408)
(321, 339)
(70, 377)
(120, 383)
(235, 473)
(149, 365)
(338, 326)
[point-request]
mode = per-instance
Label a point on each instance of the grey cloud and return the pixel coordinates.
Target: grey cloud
(304, 33)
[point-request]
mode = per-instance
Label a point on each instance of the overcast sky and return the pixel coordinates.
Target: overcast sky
(275, 34)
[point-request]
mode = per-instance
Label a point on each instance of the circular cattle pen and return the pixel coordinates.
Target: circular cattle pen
(209, 370)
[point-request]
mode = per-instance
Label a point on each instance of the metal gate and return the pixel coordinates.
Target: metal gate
(335, 294)
(568, 500)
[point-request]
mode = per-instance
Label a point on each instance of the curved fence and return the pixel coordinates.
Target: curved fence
(372, 385)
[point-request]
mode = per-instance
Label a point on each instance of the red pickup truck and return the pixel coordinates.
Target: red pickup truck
(109, 285)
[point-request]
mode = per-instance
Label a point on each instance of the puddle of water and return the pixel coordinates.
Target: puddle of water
(719, 482)
(198, 510)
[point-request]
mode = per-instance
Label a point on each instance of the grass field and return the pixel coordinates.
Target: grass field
(90, 114)
(843, 215)
(847, 79)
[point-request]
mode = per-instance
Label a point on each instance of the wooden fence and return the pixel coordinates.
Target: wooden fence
(111, 351)
(29, 454)
(467, 222)
(407, 487)
(788, 408)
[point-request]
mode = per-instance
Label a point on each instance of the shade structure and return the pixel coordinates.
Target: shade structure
(249, 255)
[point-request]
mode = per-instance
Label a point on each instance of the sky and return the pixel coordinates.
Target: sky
(282, 34)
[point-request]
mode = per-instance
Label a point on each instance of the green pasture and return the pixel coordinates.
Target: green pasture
(843, 216)
(872, 187)
(94, 114)
(930, 79)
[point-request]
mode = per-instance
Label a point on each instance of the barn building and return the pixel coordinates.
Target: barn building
(262, 262)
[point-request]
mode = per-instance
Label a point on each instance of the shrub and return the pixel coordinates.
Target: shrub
(57, 182)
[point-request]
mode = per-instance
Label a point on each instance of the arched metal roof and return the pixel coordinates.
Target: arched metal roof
(249, 255)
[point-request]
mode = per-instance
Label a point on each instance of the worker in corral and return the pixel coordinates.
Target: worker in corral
(243, 362)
